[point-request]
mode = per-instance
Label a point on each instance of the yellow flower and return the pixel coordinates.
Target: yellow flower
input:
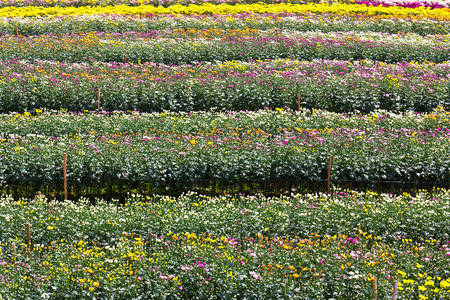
(49, 227)
(96, 284)
(422, 288)
(429, 282)
(91, 289)
(418, 266)
(445, 284)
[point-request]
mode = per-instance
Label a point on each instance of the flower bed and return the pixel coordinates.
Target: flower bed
(225, 9)
(407, 3)
(234, 246)
(213, 147)
(341, 86)
(283, 21)
(151, 47)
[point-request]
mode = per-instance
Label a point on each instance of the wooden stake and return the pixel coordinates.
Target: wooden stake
(98, 101)
(291, 52)
(79, 131)
(13, 250)
(27, 225)
(394, 293)
(374, 288)
(298, 101)
(65, 174)
(125, 56)
(329, 173)
(17, 37)
(359, 230)
(354, 196)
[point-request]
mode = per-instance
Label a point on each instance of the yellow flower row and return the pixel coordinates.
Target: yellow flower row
(222, 9)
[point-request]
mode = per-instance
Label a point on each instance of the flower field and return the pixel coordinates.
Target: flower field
(194, 143)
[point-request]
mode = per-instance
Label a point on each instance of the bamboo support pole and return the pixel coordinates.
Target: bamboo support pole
(329, 173)
(13, 250)
(17, 38)
(98, 100)
(395, 291)
(298, 101)
(27, 226)
(374, 288)
(65, 174)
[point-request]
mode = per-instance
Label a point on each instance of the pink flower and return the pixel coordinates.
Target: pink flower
(255, 275)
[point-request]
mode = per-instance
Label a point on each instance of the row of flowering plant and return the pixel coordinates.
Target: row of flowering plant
(161, 47)
(63, 124)
(407, 3)
(195, 25)
(341, 86)
(227, 9)
(295, 247)
(164, 3)
(218, 151)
